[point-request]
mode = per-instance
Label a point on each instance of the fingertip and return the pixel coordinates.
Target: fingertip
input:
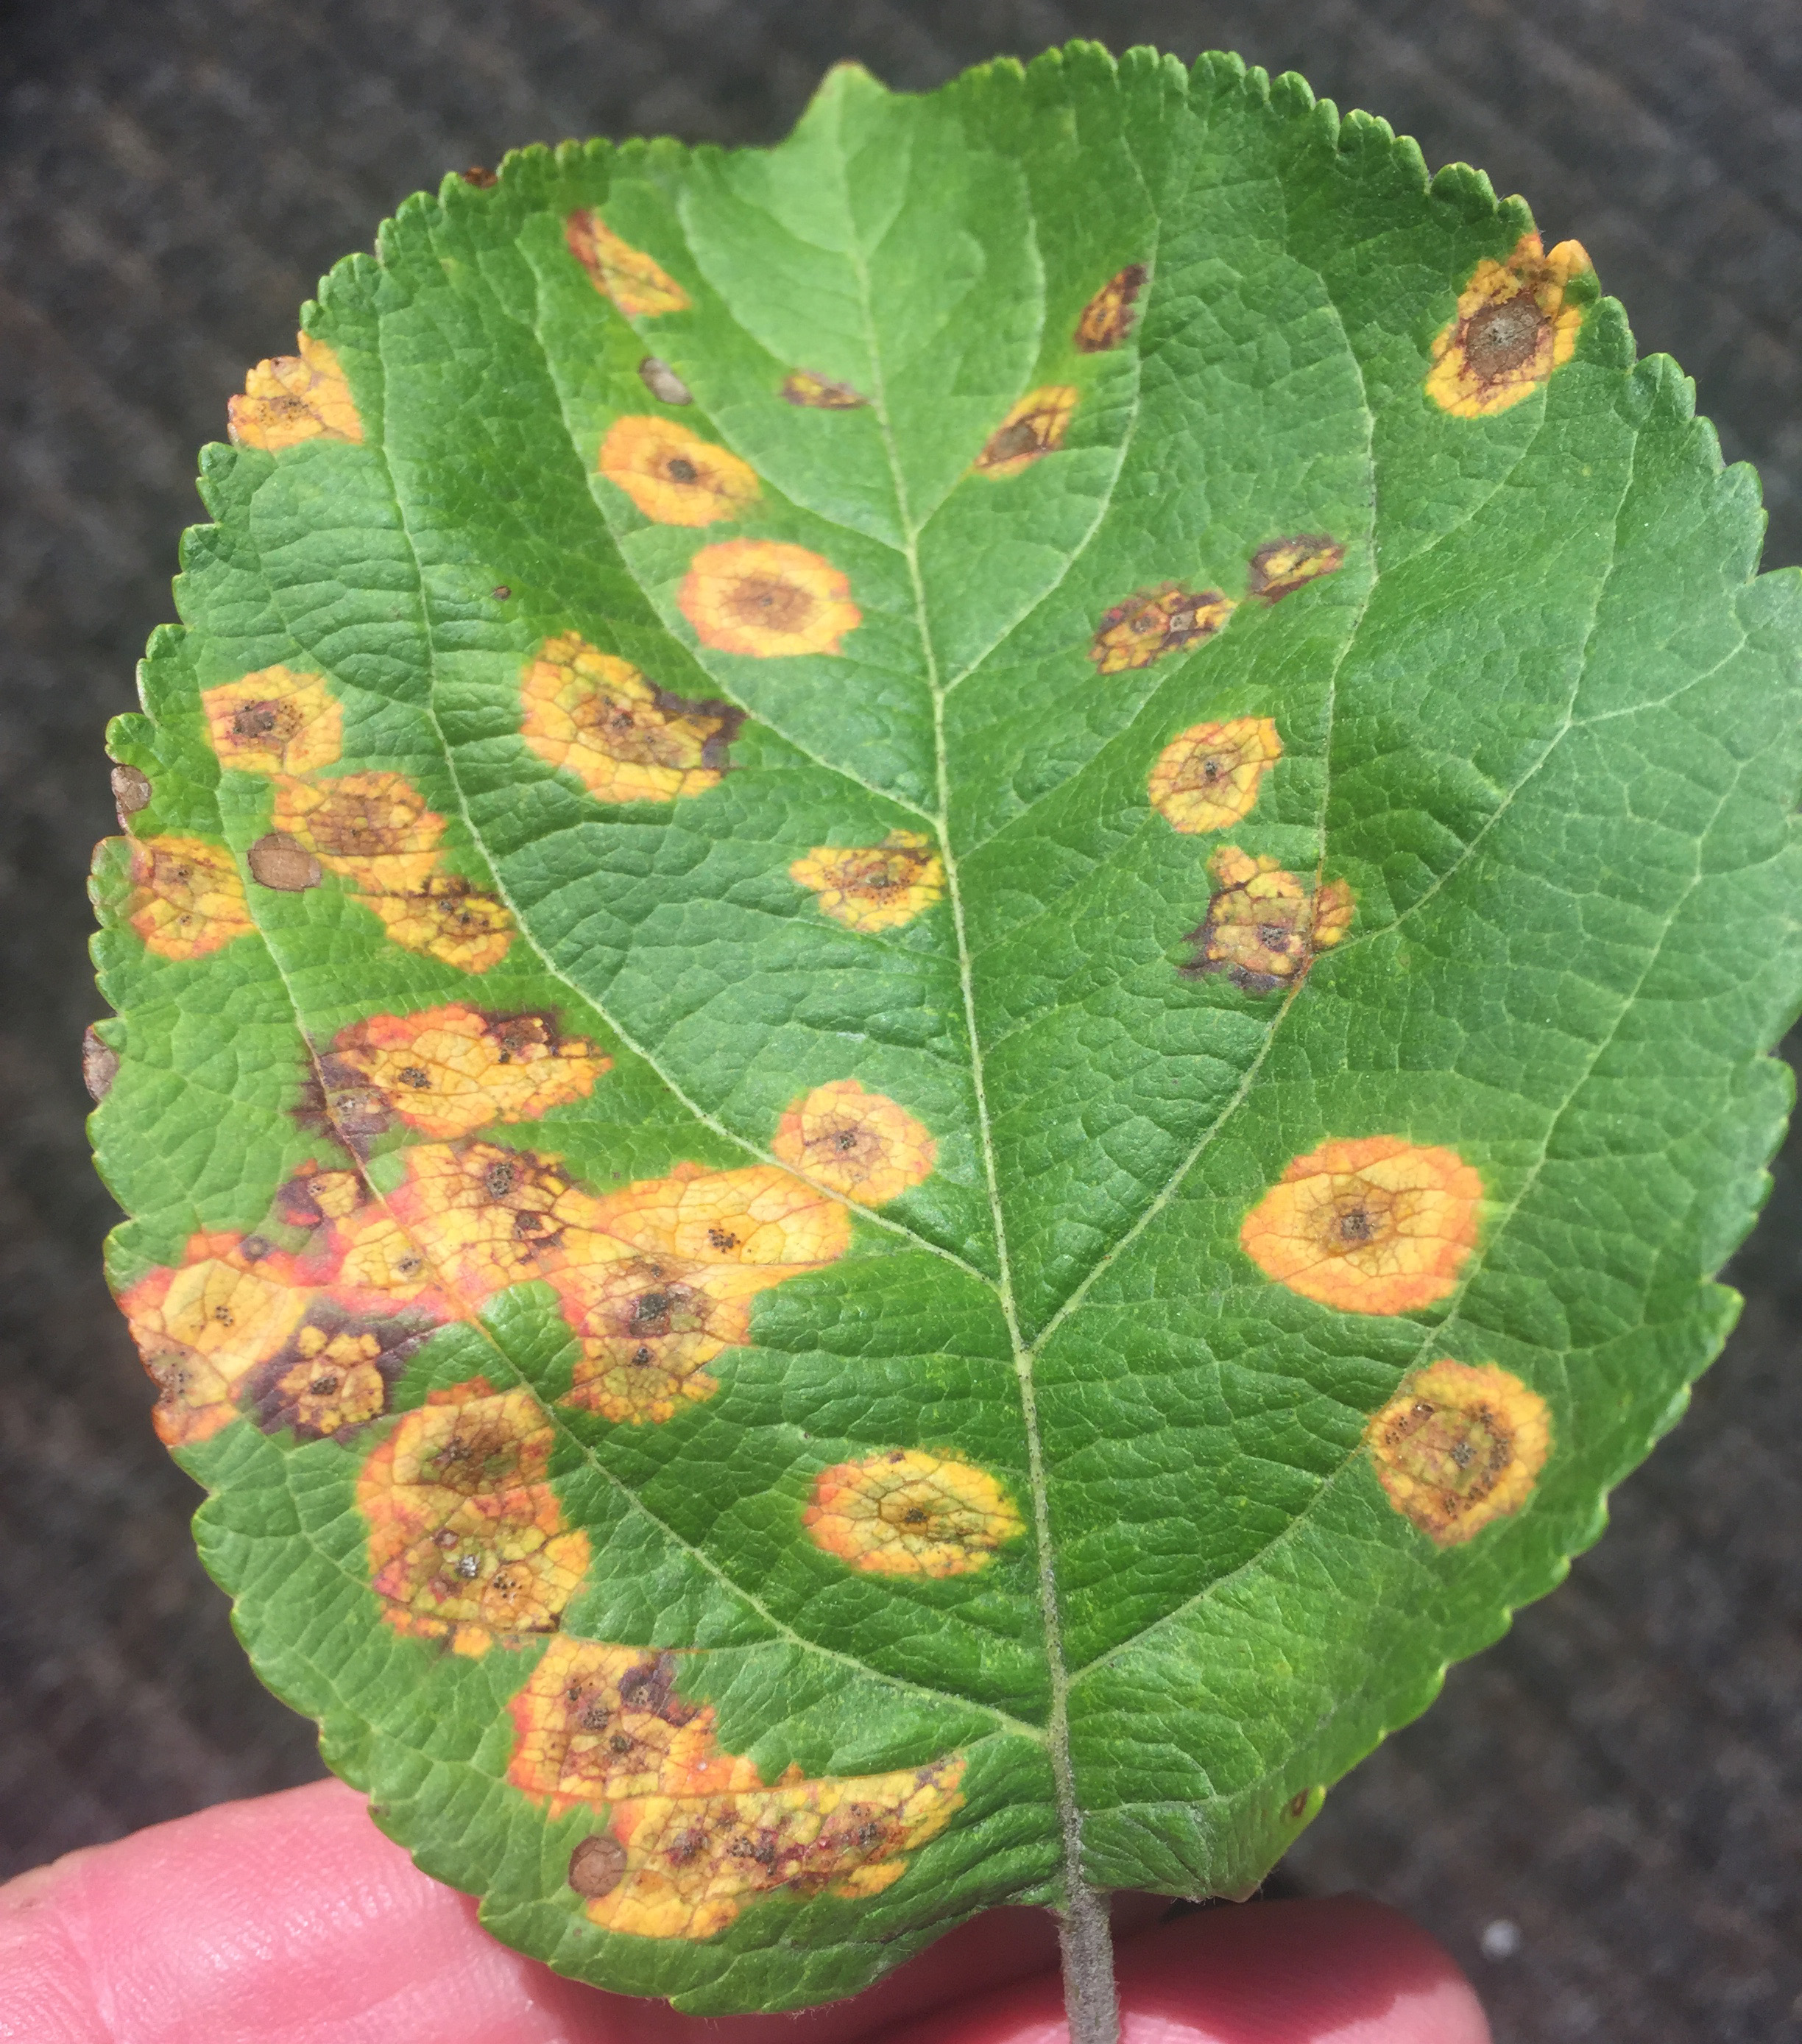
(1343, 1971)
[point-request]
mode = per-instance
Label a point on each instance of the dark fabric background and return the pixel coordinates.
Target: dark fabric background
(1619, 1778)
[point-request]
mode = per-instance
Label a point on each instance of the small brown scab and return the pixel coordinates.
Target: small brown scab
(1279, 567)
(1108, 317)
(597, 1865)
(663, 383)
(1298, 1804)
(482, 180)
(283, 863)
(131, 791)
(821, 394)
(100, 1065)
(501, 592)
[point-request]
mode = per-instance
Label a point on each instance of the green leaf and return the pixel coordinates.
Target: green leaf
(941, 979)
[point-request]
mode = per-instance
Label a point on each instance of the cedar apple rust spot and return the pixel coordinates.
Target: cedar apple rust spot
(274, 721)
(673, 475)
(695, 1835)
(449, 1071)
(1512, 329)
(874, 886)
(1264, 925)
(636, 284)
(859, 1144)
(186, 899)
(625, 739)
(1279, 567)
(1207, 777)
(1108, 317)
(766, 598)
(911, 1513)
(821, 394)
(1459, 1445)
(1034, 428)
(467, 1541)
(291, 398)
(1374, 1225)
(1153, 622)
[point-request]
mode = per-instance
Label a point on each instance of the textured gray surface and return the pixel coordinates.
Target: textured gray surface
(1620, 1777)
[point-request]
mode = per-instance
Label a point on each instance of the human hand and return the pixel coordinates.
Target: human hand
(291, 1920)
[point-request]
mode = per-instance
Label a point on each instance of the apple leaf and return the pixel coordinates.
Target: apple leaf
(941, 976)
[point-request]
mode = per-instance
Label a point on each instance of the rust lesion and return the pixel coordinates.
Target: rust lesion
(1033, 428)
(1514, 326)
(693, 1834)
(1265, 924)
(291, 398)
(1153, 623)
(1108, 318)
(1460, 1446)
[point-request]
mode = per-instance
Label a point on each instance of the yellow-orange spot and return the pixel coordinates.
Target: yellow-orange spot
(186, 898)
(1034, 428)
(1108, 317)
(275, 722)
(874, 886)
(380, 1256)
(1264, 925)
(1459, 1445)
(1279, 567)
(662, 1281)
(693, 1834)
(449, 918)
(909, 1512)
(291, 398)
(486, 1216)
(466, 1538)
(1511, 330)
(820, 394)
(448, 1071)
(1374, 1225)
(333, 1376)
(1153, 622)
(860, 1144)
(313, 1197)
(673, 475)
(639, 286)
(625, 738)
(766, 598)
(373, 828)
(1208, 776)
(203, 1327)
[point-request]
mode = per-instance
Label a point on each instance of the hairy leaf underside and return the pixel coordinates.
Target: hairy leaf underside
(940, 979)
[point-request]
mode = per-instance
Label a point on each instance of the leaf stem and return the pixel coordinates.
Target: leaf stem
(1090, 2004)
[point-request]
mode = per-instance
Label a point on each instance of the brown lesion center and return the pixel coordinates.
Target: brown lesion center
(1503, 336)
(1359, 1218)
(767, 601)
(680, 468)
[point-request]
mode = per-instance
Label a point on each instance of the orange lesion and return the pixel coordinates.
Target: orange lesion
(692, 1835)
(373, 828)
(636, 283)
(1459, 1445)
(661, 1282)
(448, 1071)
(1209, 776)
(186, 898)
(334, 1375)
(1264, 925)
(467, 1540)
(486, 1216)
(204, 1326)
(274, 721)
(1376, 1224)
(1033, 428)
(1279, 567)
(860, 1144)
(1153, 622)
(673, 475)
(625, 739)
(376, 831)
(767, 598)
(1512, 329)
(911, 1513)
(294, 397)
(1107, 318)
(874, 886)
